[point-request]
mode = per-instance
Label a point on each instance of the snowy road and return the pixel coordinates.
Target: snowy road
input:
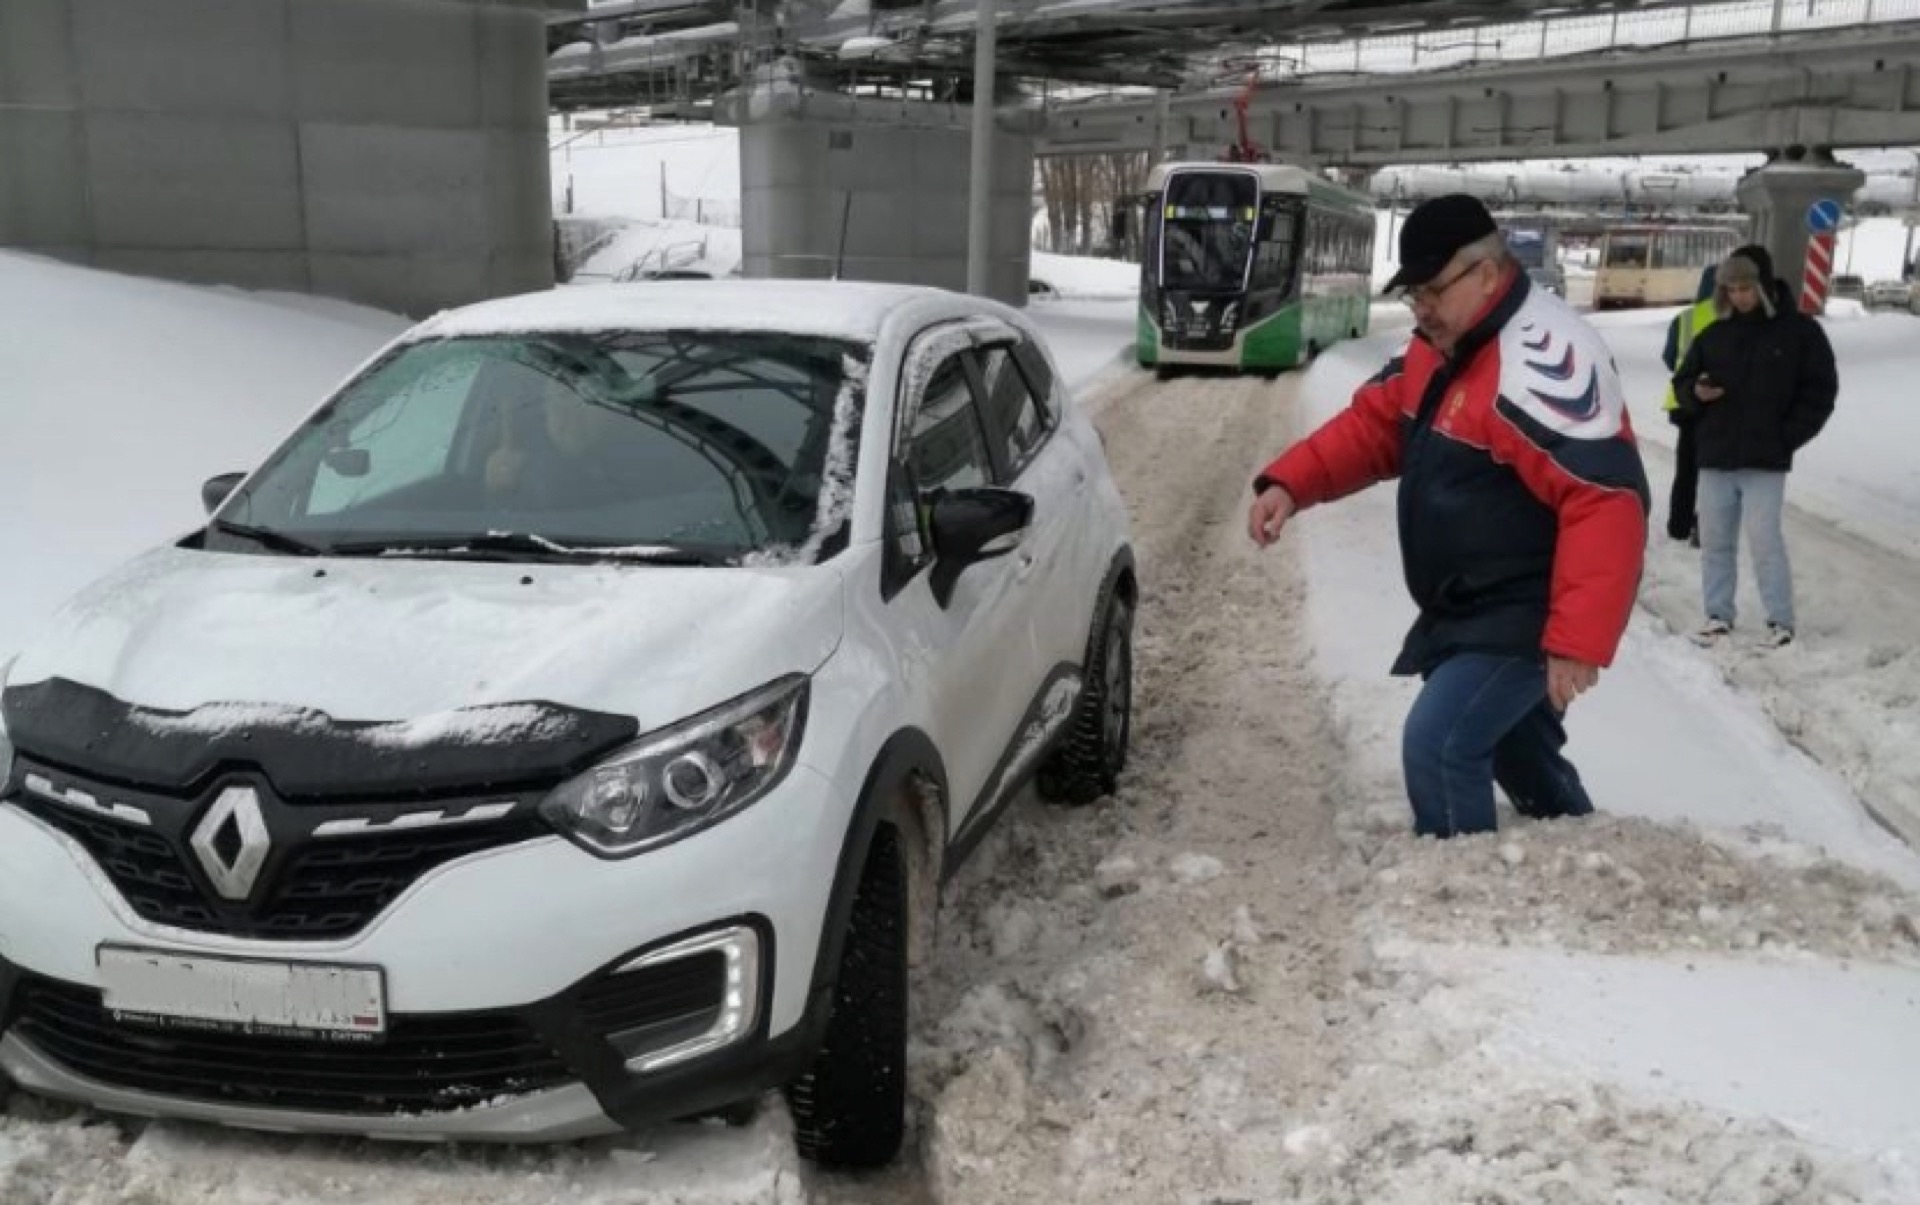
(1088, 1053)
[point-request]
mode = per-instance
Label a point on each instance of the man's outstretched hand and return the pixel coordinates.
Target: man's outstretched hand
(1272, 507)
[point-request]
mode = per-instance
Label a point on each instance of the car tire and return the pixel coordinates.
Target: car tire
(1088, 763)
(849, 1106)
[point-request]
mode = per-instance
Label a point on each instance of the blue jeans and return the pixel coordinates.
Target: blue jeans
(1483, 718)
(1725, 499)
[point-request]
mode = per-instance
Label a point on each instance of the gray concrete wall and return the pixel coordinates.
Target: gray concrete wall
(391, 152)
(896, 172)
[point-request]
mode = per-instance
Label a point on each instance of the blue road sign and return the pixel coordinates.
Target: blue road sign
(1823, 216)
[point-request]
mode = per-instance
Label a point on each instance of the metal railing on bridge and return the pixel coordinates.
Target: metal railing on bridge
(1527, 41)
(704, 211)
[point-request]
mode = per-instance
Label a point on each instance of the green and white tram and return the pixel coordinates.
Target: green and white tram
(1251, 266)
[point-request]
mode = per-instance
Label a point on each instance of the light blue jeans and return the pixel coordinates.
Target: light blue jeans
(1758, 497)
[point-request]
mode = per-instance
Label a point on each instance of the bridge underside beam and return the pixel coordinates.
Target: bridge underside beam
(1857, 88)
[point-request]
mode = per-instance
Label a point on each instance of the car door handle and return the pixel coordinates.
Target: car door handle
(1023, 566)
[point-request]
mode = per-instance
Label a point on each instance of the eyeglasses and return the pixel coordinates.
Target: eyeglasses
(1427, 294)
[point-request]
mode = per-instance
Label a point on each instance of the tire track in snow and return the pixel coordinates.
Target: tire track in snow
(1113, 1033)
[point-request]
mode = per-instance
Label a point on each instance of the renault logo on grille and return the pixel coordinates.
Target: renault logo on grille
(231, 842)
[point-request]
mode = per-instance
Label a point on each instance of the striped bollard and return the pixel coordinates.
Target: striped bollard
(1823, 220)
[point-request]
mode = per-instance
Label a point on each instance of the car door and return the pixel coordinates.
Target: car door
(974, 654)
(1061, 560)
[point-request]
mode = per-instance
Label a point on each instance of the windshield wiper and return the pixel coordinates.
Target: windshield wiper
(267, 537)
(511, 545)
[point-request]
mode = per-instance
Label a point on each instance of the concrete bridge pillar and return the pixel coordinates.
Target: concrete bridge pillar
(1779, 195)
(876, 190)
(391, 152)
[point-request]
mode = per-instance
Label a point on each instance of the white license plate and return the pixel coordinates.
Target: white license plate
(233, 995)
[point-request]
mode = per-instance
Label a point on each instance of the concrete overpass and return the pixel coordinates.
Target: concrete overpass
(864, 103)
(638, 51)
(1836, 88)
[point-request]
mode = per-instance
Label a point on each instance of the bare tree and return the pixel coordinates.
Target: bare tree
(1082, 193)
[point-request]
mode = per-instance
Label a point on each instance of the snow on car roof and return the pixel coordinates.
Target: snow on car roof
(835, 309)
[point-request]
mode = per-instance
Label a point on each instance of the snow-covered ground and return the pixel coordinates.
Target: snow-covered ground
(1729, 869)
(1089, 315)
(1241, 979)
(1846, 691)
(619, 173)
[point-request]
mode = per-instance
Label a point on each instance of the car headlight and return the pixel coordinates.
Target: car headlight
(673, 783)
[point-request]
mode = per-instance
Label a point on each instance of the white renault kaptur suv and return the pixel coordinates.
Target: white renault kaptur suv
(569, 726)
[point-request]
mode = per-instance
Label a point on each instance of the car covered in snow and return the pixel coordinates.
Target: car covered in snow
(569, 726)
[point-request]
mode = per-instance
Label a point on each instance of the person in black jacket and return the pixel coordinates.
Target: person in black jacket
(1758, 385)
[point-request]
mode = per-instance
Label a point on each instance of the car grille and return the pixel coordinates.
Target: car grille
(313, 889)
(427, 1063)
(655, 1007)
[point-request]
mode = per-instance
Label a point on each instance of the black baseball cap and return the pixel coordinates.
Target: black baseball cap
(1434, 233)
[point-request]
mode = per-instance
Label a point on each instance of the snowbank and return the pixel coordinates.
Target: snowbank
(55, 1154)
(1243, 980)
(1091, 339)
(1576, 950)
(1083, 277)
(1845, 691)
(124, 394)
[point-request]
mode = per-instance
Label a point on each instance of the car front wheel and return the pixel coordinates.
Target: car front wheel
(1088, 763)
(849, 1107)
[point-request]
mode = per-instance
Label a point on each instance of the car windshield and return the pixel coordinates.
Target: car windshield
(674, 446)
(1208, 228)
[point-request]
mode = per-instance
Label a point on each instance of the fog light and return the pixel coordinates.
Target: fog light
(739, 998)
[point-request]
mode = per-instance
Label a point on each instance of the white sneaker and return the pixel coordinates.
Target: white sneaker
(1712, 632)
(1778, 636)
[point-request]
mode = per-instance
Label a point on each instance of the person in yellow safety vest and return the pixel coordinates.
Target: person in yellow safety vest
(1682, 522)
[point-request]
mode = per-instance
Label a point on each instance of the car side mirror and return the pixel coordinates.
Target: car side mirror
(974, 525)
(216, 489)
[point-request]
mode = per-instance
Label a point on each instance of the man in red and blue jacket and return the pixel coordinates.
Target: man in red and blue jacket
(1522, 509)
